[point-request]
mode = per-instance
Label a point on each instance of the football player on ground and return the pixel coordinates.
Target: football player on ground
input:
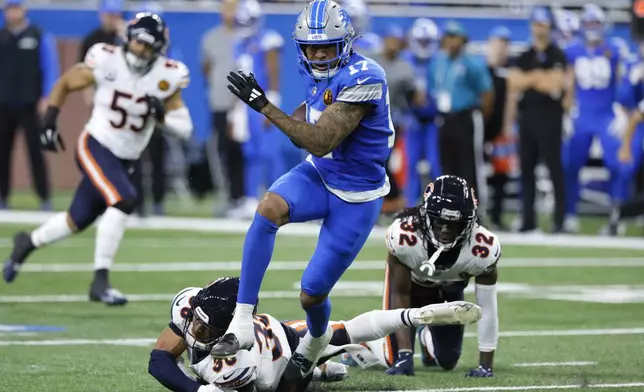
(137, 88)
(199, 318)
(434, 249)
(594, 66)
(349, 133)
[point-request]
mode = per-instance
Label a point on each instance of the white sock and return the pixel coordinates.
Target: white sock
(377, 324)
(108, 237)
(243, 314)
(56, 228)
(311, 347)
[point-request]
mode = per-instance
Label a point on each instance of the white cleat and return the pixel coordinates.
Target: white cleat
(330, 372)
(457, 312)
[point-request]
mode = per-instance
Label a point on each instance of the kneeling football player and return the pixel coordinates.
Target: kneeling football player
(200, 317)
(434, 249)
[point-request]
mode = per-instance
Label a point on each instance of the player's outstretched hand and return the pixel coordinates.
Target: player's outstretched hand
(480, 372)
(157, 109)
(246, 88)
(404, 365)
(50, 139)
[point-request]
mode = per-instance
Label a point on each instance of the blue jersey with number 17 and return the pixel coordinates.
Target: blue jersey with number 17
(355, 170)
(596, 71)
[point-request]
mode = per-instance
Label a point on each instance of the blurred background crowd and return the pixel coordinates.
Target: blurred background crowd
(505, 94)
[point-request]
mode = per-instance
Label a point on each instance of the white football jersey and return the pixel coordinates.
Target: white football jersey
(262, 365)
(478, 254)
(120, 118)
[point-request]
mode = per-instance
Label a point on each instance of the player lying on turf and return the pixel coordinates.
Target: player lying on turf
(136, 88)
(434, 249)
(199, 318)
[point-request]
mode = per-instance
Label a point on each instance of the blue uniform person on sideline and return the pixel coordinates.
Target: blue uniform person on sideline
(421, 138)
(461, 86)
(349, 133)
(28, 70)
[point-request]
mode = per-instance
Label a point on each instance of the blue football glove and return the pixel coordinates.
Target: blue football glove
(480, 372)
(404, 365)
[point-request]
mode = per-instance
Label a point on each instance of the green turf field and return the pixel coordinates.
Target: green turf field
(577, 306)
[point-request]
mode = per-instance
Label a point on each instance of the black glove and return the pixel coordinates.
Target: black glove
(50, 139)
(157, 109)
(246, 88)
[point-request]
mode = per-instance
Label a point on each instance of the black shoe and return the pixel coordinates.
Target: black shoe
(22, 247)
(298, 374)
(106, 294)
(227, 347)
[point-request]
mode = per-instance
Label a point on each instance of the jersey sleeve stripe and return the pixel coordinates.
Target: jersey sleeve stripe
(175, 329)
(361, 93)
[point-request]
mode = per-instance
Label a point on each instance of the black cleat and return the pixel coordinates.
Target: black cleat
(227, 347)
(22, 247)
(106, 294)
(298, 373)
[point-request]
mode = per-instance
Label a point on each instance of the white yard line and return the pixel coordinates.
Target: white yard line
(531, 387)
(309, 229)
(554, 364)
(368, 265)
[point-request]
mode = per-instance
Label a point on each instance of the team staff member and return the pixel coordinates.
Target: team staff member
(111, 28)
(539, 77)
(28, 70)
(461, 87)
(497, 130)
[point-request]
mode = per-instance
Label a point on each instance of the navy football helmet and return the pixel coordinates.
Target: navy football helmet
(150, 34)
(211, 311)
(449, 208)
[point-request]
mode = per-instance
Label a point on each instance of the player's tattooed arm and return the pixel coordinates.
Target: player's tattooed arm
(399, 297)
(76, 78)
(334, 125)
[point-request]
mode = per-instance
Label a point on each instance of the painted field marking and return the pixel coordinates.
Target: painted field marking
(367, 265)
(308, 229)
(548, 364)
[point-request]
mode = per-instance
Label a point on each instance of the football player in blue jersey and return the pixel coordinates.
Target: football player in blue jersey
(594, 65)
(421, 138)
(366, 42)
(349, 132)
(256, 51)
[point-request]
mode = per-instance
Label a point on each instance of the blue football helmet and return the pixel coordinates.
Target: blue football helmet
(248, 18)
(323, 23)
(424, 38)
(593, 22)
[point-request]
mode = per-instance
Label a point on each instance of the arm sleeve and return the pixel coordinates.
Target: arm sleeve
(163, 367)
(49, 63)
(488, 326)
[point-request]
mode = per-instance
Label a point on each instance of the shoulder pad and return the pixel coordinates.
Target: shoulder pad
(402, 237)
(485, 246)
(363, 81)
(271, 40)
(237, 378)
(181, 305)
(230, 373)
(177, 72)
(98, 55)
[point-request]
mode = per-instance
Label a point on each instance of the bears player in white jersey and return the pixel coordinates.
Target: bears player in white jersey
(200, 316)
(136, 89)
(434, 249)
(349, 134)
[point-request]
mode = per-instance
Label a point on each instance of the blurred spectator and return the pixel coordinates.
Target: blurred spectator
(257, 50)
(111, 29)
(421, 135)
(366, 43)
(498, 127)
(400, 80)
(217, 60)
(29, 68)
(461, 86)
(539, 76)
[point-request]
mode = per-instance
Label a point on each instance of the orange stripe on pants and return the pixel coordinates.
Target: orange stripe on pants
(95, 173)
